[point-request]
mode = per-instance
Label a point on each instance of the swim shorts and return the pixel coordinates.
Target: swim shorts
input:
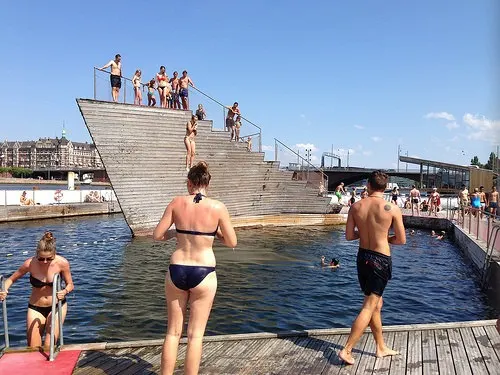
(183, 93)
(374, 271)
(415, 200)
(229, 122)
(116, 81)
(493, 205)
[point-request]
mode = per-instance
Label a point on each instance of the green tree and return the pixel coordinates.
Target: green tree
(491, 161)
(475, 161)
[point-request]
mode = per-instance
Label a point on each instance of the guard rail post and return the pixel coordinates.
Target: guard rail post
(56, 288)
(95, 83)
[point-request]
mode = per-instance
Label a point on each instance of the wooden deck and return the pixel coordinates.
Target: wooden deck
(444, 348)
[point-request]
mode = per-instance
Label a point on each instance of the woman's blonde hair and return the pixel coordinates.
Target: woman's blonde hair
(47, 243)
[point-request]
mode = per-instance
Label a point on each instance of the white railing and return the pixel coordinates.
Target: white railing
(4, 313)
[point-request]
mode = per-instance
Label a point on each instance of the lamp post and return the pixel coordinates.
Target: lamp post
(308, 158)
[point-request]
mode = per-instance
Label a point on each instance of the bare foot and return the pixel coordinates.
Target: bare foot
(346, 357)
(386, 352)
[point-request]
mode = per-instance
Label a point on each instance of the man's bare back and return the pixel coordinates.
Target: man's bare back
(373, 218)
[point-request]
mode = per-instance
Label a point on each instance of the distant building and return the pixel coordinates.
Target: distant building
(49, 153)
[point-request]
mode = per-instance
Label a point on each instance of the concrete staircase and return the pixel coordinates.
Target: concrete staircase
(143, 151)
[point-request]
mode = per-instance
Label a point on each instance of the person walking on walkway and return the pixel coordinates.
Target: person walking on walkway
(42, 268)
(116, 76)
(191, 277)
(369, 220)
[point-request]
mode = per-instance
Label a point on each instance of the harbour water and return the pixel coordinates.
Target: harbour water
(271, 282)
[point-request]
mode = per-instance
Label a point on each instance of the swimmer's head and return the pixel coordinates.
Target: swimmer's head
(334, 262)
(476, 190)
(199, 176)
(138, 72)
(46, 247)
(443, 232)
(412, 232)
(152, 82)
(200, 106)
(433, 233)
(434, 189)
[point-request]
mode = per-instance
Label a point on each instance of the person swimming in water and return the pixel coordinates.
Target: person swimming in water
(42, 268)
(334, 263)
(191, 278)
(441, 236)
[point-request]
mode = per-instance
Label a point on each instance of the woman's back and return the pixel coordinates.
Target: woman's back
(198, 224)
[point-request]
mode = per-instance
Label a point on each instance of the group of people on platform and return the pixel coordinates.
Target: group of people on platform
(196, 220)
(173, 92)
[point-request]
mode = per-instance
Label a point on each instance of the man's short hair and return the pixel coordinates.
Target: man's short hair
(117, 56)
(413, 186)
(463, 185)
(185, 71)
(235, 103)
(378, 180)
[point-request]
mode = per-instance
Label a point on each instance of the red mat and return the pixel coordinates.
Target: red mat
(35, 363)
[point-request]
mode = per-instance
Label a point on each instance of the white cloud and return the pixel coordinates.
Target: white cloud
(367, 153)
(306, 146)
(267, 148)
(376, 139)
(482, 128)
(360, 127)
(452, 125)
(440, 115)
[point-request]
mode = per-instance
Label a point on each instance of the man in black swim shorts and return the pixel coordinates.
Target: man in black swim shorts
(369, 220)
(115, 76)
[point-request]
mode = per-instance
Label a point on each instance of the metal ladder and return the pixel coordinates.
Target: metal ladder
(490, 248)
(56, 309)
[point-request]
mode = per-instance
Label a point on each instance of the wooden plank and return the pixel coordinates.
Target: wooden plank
(130, 359)
(429, 354)
(367, 361)
(414, 363)
(494, 339)
(489, 356)
(334, 364)
(308, 352)
(383, 365)
(398, 363)
(460, 359)
(474, 355)
(103, 363)
(325, 351)
(270, 353)
(152, 357)
(444, 356)
(357, 352)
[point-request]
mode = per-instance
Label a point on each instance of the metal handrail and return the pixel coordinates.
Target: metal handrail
(5, 323)
(56, 288)
(276, 141)
(492, 238)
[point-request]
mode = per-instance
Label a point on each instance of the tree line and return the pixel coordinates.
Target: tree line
(489, 165)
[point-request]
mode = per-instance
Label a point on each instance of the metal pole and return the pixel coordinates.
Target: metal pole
(95, 93)
(4, 309)
(260, 140)
(399, 149)
(124, 91)
(331, 159)
(347, 158)
(406, 162)
(477, 226)
(55, 289)
(275, 150)
(224, 127)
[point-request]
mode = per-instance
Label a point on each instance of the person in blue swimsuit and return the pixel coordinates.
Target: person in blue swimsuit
(475, 201)
(42, 269)
(191, 277)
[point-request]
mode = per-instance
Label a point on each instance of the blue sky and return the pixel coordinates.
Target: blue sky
(358, 75)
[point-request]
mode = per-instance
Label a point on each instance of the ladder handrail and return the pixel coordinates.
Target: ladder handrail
(56, 288)
(490, 247)
(4, 312)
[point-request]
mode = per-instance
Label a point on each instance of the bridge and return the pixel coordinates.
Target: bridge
(349, 175)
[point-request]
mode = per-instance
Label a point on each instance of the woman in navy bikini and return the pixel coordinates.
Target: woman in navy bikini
(191, 277)
(42, 268)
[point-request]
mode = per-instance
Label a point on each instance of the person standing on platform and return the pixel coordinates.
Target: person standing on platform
(163, 86)
(191, 277)
(395, 195)
(434, 202)
(136, 81)
(415, 199)
(174, 82)
(369, 220)
(493, 201)
(42, 268)
(231, 112)
(184, 82)
(191, 131)
(116, 76)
